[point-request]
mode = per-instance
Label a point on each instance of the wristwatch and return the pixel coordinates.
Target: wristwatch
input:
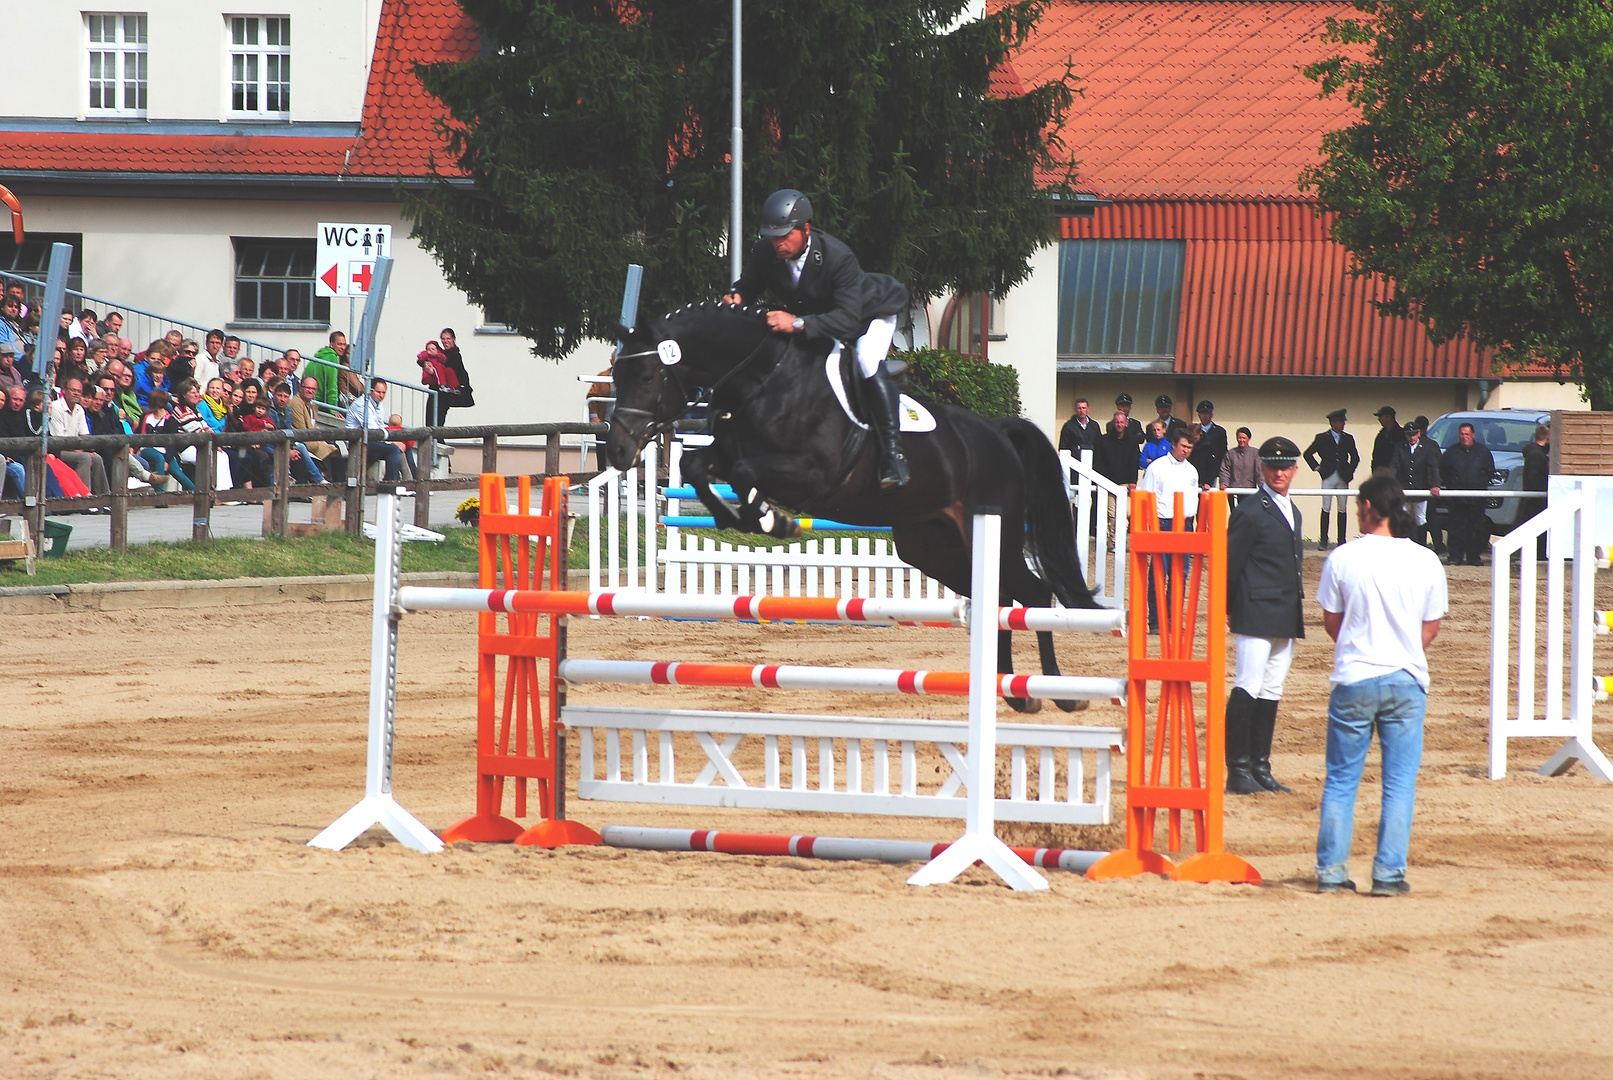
(799, 323)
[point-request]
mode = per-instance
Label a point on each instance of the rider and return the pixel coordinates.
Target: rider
(826, 295)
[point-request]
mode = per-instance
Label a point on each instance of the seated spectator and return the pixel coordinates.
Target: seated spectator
(287, 365)
(305, 417)
(1157, 445)
(207, 365)
(71, 365)
(395, 423)
(112, 325)
(183, 365)
(10, 374)
(338, 383)
(14, 417)
(67, 420)
(365, 413)
(84, 327)
(157, 420)
(11, 324)
(192, 415)
(156, 358)
(232, 352)
(253, 466)
(214, 406)
(267, 369)
(304, 469)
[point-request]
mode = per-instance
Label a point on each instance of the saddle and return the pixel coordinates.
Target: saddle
(845, 378)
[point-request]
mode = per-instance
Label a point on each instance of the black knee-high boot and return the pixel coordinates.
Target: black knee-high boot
(1340, 539)
(1262, 725)
(1239, 779)
(1321, 543)
(886, 400)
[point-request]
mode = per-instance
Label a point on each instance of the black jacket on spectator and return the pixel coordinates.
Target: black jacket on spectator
(1383, 447)
(1326, 457)
(1136, 432)
(1114, 458)
(1536, 466)
(1467, 468)
(1265, 591)
(1208, 453)
(14, 424)
(1417, 467)
(1075, 438)
(103, 422)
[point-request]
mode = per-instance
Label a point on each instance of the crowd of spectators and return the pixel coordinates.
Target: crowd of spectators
(97, 384)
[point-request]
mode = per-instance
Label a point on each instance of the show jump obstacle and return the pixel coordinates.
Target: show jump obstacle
(523, 719)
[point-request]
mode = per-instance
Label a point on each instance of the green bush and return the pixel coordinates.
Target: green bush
(944, 376)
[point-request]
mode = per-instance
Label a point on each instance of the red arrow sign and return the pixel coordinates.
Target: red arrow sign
(329, 278)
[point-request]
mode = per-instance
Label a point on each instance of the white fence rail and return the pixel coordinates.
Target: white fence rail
(1569, 524)
(837, 764)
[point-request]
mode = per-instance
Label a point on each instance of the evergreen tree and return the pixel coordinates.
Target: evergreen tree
(596, 134)
(1479, 179)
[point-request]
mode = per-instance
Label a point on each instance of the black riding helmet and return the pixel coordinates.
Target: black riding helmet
(784, 211)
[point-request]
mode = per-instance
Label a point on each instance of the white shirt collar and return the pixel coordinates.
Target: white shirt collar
(799, 263)
(1282, 502)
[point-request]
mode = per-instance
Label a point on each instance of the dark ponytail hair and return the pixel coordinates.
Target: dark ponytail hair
(1383, 495)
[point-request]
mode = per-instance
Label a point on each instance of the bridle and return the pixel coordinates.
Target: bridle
(657, 426)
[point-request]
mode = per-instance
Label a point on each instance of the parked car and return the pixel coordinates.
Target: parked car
(1503, 432)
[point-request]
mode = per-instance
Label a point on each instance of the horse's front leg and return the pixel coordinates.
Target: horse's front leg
(750, 476)
(1050, 666)
(697, 474)
(1005, 666)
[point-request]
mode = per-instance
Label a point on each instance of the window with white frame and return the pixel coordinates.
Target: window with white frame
(260, 65)
(117, 64)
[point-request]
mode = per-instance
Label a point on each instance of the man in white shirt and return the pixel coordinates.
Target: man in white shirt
(1165, 478)
(67, 420)
(366, 412)
(1382, 596)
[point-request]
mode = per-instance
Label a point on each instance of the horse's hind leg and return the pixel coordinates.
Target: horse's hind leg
(1005, 666)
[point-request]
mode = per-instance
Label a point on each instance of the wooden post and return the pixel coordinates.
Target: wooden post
(426, 455)
(281, 515)
(490, 454)
(120, 500)
(551, 455)
(37, 488)
(202, 501)
(358, 466)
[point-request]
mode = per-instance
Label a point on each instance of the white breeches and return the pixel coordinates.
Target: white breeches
(1262, 665)
(874, 346)
(1334, 482)
(1419, 510)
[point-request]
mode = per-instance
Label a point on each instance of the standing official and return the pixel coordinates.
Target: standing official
(1241, 467)
(1173, 426)
(1210, 449)
(1333, 455)
(1080, 431)
(1264, 597)
(1416, 467)
(1390, 436)
(1467, 466)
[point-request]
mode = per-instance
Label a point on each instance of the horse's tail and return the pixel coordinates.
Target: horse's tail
(1049, 526)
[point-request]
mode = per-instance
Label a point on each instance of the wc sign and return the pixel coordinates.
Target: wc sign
(344, 257)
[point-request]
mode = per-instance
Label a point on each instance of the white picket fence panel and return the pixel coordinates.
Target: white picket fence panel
(838, 764)
(629, 550)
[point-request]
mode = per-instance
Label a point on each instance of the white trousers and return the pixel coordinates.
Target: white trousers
(1263, 665)
(874, 346)
(1334, 482)
(1419, 510)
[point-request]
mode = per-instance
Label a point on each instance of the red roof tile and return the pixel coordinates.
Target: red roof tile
(1190, 99)
(398, 130)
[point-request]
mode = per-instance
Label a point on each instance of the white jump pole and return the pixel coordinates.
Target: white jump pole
(378, 807)
(979, 842)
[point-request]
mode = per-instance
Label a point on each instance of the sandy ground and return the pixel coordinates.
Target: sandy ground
(163, 917)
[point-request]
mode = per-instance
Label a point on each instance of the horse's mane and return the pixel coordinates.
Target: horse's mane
(709, 309)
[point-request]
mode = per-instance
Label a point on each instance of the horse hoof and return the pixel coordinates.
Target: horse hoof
(1072, 706)
(1024, 705)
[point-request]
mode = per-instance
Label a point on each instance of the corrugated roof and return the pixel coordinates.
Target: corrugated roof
(398, 132)
(1265, 292)
(1189, 99)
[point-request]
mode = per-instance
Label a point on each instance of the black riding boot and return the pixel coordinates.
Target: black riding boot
(1239, 779)
(1321, 542)
(886, 409)
(1340, 539)
(1263, 723)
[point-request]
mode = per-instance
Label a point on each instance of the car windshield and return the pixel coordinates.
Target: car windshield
(1491, 432)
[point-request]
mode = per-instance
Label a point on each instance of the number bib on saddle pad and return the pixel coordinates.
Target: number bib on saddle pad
(916, 419)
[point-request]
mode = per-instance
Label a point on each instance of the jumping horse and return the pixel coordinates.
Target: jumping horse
(782, 439)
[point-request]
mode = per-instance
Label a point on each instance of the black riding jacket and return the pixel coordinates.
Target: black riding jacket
(835, 297)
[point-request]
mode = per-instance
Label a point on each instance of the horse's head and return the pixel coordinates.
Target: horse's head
(664, 361)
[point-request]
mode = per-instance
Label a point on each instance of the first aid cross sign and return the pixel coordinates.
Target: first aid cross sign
(344, 259)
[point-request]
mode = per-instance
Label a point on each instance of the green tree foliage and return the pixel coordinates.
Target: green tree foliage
(596, 134)
(942, 375)
(1479, 178)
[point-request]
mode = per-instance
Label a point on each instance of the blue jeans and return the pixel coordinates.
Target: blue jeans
(16, 475)
(1393, 705)
(390, 453)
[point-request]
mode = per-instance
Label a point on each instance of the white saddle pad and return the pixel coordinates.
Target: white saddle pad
(915, 417)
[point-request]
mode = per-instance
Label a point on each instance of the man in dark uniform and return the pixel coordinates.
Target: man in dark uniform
(1467, 466)
(1265, 614)
(825, 296)
(1416, 467)
(1211, 448)
(1173, 427)
(1435, 534)
(1332, 455)
(1390, 437)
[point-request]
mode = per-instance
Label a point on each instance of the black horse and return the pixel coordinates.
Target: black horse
(780, 435)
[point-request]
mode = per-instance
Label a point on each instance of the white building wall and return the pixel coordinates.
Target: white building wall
(47, 57)
(175, 258)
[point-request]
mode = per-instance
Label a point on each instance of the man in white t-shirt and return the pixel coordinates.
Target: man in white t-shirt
(1382, 600)
(1165, 477)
